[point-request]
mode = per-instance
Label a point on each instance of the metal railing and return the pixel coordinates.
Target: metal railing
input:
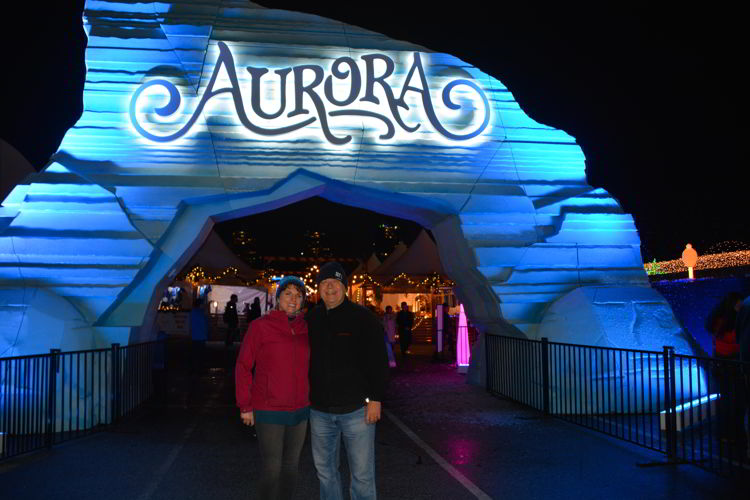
(46, 399)
(690, 408)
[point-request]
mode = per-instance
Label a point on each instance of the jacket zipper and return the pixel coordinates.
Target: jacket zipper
(294, 365)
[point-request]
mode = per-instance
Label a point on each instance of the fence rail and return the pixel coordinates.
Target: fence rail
(690, 408)
(46, 399)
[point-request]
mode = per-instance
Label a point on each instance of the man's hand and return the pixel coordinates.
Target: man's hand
(249, 419)
(372, 412)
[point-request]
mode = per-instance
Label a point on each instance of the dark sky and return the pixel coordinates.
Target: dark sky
(348, 231)
(654, 96)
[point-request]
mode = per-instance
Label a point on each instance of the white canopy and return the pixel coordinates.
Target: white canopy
(214, 254)
(420, 258)
(391, 259)
(367, 266)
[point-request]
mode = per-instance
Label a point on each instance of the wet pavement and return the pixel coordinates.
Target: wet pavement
(440, 438)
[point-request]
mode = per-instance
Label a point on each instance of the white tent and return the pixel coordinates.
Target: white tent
(391, 259)
(216, 256)
(220, 295)
(367, 266)
(420, 258)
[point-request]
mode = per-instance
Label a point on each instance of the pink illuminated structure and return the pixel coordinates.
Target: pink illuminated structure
(463, 353)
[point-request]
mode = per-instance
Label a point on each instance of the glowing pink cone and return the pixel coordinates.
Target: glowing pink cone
(463, 353)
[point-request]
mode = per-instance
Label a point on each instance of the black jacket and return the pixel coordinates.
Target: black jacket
(348, 360)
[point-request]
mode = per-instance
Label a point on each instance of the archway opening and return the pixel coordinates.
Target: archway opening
(136, 305)
(390, 261)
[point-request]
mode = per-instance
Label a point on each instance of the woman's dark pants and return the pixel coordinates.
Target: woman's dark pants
(280, 449)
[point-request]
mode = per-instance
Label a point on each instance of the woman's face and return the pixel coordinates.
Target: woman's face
(290, 300)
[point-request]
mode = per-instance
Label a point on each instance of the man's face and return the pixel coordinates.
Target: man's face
(332, 292)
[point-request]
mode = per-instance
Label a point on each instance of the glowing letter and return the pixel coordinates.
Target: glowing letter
(355, 84)
(257, 74)
(300, 88)
(427, 100)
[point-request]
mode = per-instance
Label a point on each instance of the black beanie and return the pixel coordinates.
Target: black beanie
(332, 270)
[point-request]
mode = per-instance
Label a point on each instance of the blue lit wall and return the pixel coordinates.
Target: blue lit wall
(163, 150)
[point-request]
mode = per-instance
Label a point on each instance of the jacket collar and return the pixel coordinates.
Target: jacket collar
(281, 317)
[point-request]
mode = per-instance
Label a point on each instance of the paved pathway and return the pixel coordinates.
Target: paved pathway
(441, 438)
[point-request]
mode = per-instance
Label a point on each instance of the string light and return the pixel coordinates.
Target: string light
(708, 261)
(199, 275)
(429, 283)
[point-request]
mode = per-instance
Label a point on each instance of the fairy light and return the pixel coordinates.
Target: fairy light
(709, 261)
(197, 275)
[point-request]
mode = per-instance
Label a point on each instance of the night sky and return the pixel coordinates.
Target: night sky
(654, 96)
(347, 231)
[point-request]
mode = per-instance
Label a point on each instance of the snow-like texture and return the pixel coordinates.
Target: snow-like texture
(623, 317)
(634, 318)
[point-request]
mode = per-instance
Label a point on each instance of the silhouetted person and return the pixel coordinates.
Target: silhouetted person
(254, 311)
(449, 334)
(742, 327)
(722, 323)
(199, 335)
(405, 322)
(231, 320)
(159, 369)
(389, 326)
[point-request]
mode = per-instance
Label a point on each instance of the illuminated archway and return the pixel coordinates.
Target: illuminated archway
(419, 135)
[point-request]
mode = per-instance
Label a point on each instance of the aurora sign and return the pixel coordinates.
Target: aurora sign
(345, 78)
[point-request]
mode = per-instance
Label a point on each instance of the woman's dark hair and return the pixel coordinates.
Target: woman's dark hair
(724, 315)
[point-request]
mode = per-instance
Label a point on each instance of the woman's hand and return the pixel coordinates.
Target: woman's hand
(247, 418)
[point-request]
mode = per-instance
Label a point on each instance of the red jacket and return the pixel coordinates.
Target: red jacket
(279, 350)
(726, 345)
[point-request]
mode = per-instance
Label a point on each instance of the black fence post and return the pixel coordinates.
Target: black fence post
(670, 403)
(545, 375)
(49, 431)
(116, 393)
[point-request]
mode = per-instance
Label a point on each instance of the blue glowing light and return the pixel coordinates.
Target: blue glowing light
(695, 403)
(181, 130)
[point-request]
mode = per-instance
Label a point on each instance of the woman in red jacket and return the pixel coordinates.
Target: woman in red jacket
(275, 397)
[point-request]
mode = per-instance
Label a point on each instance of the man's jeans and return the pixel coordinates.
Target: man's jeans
(326, 430)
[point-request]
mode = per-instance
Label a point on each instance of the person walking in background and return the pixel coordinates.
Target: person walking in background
(348, 374)
(159, 370)
(449, 334)
(254, 311)
(389, 325)
(405, 322)
(231, 320)
(742, 328)
(272, 388)
(199, 335)
(721, 325)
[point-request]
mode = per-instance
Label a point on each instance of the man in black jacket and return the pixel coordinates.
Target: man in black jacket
(348, 375)
(231, 320)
